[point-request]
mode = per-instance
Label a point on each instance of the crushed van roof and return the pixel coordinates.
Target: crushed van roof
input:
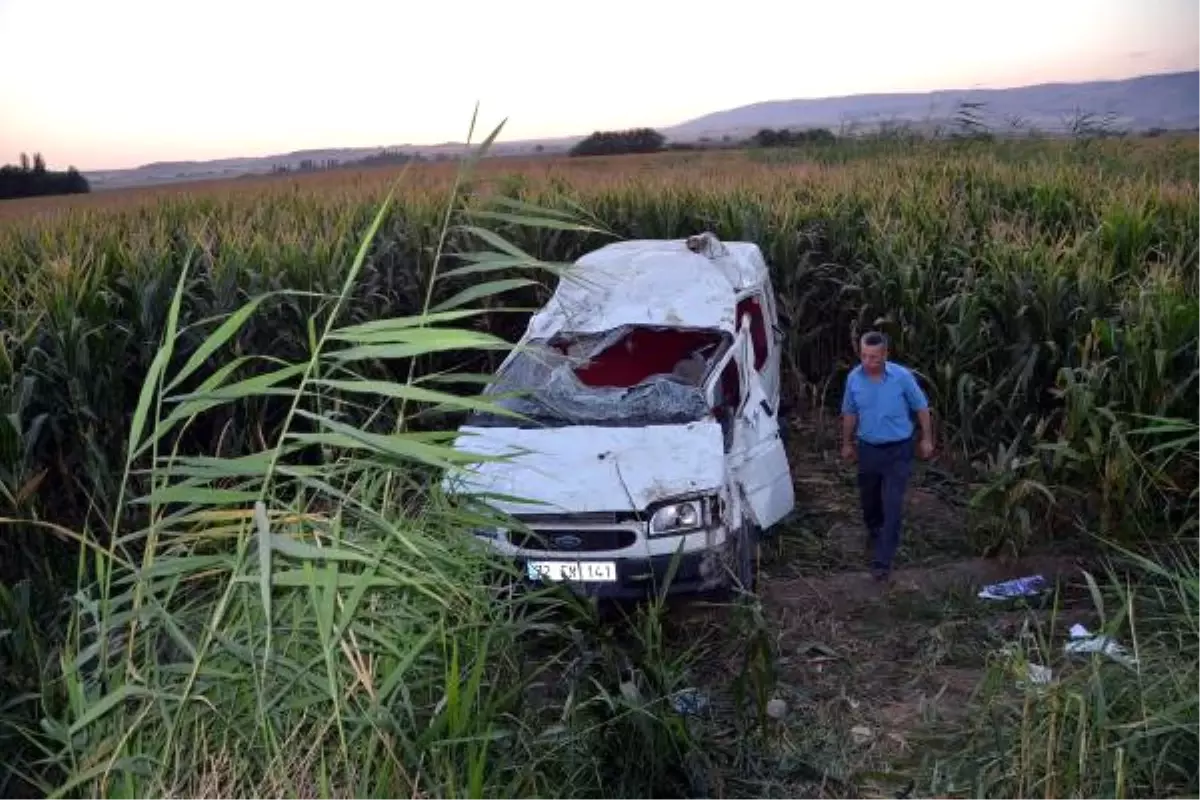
(652, 282)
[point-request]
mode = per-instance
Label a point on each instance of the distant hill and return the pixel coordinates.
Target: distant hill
(1168, 101)
(164, 172)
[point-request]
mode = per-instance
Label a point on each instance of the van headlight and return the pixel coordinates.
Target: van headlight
(681, 516)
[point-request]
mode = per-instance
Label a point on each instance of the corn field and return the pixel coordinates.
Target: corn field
(1044, 292)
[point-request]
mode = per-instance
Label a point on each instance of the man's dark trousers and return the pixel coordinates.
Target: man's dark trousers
(883, 473)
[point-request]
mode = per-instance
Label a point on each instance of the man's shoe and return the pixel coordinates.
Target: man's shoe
(880, 575)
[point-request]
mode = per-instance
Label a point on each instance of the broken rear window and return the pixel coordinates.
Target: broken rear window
(631, 376)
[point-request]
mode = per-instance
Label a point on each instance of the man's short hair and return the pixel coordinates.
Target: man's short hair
(874, 339)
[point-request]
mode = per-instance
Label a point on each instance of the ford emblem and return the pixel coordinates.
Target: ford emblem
(568, 541)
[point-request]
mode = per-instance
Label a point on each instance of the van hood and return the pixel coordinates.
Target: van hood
(582, 468)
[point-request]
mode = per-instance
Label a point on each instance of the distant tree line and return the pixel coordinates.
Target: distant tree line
(385, 157)
(648, 140)
(307, 165)
(34, 180)
(609, 143)
(389, 157)
(785, 137)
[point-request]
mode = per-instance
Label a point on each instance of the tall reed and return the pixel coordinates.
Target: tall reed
(308, 615)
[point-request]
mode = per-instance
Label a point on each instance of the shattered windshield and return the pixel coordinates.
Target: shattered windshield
(632, 376)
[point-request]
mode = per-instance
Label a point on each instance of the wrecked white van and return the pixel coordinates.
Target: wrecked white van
(650, 388)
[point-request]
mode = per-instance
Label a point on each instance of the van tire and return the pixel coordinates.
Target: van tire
(743, 558)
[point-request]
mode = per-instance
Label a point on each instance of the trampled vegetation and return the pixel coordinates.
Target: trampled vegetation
(225, 569)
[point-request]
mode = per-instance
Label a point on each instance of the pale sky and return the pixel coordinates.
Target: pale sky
(117, 83)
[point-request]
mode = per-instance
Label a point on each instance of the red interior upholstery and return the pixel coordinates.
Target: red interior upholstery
(731, 386)
(653, 352)
(758, 329)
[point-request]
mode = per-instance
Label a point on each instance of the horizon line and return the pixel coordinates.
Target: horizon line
(563, 137)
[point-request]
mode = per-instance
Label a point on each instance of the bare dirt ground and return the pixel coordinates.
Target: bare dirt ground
(867, 673)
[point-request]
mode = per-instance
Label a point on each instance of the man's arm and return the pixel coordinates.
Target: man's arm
(920, 404)
(849, 420)
(926, 425)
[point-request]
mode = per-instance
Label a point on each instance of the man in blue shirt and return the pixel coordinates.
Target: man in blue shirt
(879, 400)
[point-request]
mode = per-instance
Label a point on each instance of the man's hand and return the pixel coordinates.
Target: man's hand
(848, 449)
(925, 448)
(925, 445)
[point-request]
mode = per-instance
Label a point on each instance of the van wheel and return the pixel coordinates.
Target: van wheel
(745, 558)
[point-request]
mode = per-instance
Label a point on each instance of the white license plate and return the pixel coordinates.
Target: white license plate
(579, 571)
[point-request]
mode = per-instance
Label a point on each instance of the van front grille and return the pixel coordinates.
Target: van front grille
(573, 540)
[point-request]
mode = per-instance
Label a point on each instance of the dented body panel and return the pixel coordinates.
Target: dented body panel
(584, 468)
(650, 283)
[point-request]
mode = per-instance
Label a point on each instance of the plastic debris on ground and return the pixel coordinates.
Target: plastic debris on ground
(1039, 674)
(861, 734)
(1082, 641)
(777, 709)
(1029, 672)
(689, 702)
(1028, 586)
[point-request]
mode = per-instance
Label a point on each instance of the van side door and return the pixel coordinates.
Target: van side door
(757, 457)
